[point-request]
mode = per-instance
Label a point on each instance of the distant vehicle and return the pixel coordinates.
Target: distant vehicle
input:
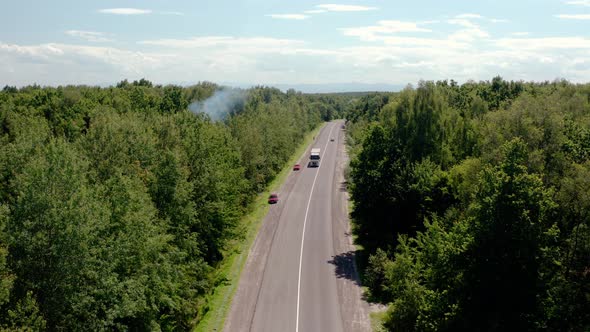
(273, 199)
(332, 139)
(314, 163)
(315, 154)
(296, 167)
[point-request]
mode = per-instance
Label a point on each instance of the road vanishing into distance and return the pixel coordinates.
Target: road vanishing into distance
(300, 273)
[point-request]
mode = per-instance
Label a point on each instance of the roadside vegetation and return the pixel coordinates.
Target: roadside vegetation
(237, 250)
(117, 204)
(472, 205)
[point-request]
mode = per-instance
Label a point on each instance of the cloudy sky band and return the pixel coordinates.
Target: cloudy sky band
(374, 45)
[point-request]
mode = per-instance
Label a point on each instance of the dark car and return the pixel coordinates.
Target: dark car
(332, 139)
(296, 167)
(273, 199)
(313, 163)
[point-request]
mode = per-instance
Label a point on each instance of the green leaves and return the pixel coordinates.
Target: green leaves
(53, 221)
(266, 133)
(512, 214)
(6, 275)
(396, 177)
(471, 203)
(173, 100)
(117, 204)
(483, 269)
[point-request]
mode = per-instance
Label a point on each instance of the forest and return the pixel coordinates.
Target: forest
(471, 204)
(116, 203)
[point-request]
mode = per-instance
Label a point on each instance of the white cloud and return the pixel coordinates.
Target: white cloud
(288, 16)
(498, 20)
(469, 35)
(579, 3)
(344, 8)
(315, 11)
(468, 53)
(546, 43)
(55, 63)
(386, 32)
(66, 52)
(267, 60)
(245, 45)
(468, 15)
(40, 52)
(391, 51)
(420, 64)
(462, 22)
(573, 16)
(91, 36)
(125, 11)
(376, 32)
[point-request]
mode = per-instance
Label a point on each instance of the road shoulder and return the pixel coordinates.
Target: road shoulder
(354, 309)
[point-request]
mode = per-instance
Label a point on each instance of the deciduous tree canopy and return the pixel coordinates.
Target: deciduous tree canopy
(471, 204)
(116, 203)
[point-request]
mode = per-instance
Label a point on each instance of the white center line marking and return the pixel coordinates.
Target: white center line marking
(304, 223)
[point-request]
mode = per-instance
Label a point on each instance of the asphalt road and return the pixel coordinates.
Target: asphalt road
(300, 273)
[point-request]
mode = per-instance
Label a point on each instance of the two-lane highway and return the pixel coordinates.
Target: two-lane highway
(318, 305)
(290, 282)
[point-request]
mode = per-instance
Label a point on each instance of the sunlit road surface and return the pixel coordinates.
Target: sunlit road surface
(300, 272)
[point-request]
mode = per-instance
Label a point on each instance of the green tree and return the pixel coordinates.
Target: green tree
(6, 275)
(173, 100)
(134, 277)
(25, 317)
(513, 233)
(51, 226)
(485, 272)
(117, 204)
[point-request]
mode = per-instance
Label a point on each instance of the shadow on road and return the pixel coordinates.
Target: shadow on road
(344, 264)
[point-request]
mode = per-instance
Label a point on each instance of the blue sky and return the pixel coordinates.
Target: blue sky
(296, 42)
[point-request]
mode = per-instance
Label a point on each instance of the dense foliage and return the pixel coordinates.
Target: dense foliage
(472, 206)
(116, 203)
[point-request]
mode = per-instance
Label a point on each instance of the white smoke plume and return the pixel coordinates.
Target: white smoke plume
(221, 104)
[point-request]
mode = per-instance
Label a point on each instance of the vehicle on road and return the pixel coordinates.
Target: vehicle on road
(296, 167)
(273, 199)
(315, 154)
(332, 139)
(313, 163)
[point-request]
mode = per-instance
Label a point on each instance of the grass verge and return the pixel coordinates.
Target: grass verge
(377, 319)
(230, 269)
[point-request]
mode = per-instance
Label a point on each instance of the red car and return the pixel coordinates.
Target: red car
(296, 167)
(273, 199)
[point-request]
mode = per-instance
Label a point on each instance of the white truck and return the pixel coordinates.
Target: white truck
(314, 157)
(315, 154)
